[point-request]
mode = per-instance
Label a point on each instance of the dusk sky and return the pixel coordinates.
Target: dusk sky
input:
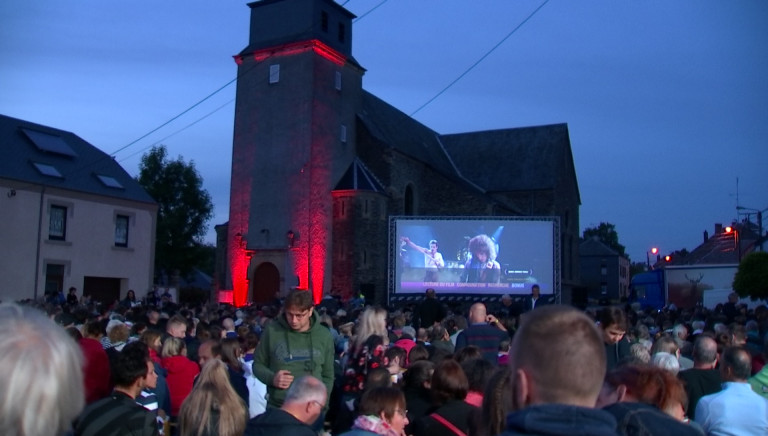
(666, 101)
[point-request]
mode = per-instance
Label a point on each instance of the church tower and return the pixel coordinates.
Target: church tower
(298, 92)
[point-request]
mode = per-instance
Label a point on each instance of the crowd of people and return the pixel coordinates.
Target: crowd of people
(424, 369)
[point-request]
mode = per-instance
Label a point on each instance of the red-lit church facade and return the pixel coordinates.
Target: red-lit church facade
(319, 165)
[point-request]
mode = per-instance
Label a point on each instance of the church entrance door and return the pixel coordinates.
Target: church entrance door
(266, 283)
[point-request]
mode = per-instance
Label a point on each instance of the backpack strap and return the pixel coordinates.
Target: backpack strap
(448, 424)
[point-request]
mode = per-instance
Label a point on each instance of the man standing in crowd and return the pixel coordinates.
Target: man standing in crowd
(703, 378)
(176, 327)
(42, 382)
(737, 409)
(303, 405)
(208, 350)
(119, 414)
(484, 331)
(293, 345)
(557, 365)
(430, 311)
(506, 307)
(534, 300)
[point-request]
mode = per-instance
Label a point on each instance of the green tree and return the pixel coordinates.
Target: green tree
(751, 279)
(605, 233)
(184, 208)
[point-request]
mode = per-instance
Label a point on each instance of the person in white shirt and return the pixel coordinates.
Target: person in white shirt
(736, 410)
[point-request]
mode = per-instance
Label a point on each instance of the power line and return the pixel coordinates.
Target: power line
(221, 89)
(177, 116)
(185, 111)
(482, 58)
(178, 131)
(369, 11)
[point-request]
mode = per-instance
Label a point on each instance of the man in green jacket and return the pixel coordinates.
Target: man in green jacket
(292, 345)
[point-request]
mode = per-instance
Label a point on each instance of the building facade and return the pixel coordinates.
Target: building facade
(320, 165)
(604, 272)
(71, 217)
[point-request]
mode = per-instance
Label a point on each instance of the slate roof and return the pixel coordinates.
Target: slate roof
(359, 178)
(79, 163)
(399, 131)
(517, 159)
(594, 247)
(722, 248)
(506, 160)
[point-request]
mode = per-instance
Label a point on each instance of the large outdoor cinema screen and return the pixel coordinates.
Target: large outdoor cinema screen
(491, 256)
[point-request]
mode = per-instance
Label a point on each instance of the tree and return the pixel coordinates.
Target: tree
(184, 209)
(606, 233)
(751, 279)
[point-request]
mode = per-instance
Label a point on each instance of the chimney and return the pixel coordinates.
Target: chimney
(706, 236)
(718, 228)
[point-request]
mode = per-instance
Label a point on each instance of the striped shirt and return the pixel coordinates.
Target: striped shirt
(116, 415)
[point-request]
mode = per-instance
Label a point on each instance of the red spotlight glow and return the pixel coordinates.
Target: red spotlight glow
(293, 48)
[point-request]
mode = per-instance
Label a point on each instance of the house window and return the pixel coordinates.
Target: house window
(121, 231)
(274, 73)
(324, 21)
(47, 170)
(342, 32)
(338, 81)
(54, 278)
(57, 224)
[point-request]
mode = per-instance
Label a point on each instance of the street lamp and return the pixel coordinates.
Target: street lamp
(653, 250)
(759, 221)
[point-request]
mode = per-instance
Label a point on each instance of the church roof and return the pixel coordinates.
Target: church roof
(595, 247)
(516, 159)
(46, 156)
(399, 131)
(506, 160)
(359, 178)
(403, 133)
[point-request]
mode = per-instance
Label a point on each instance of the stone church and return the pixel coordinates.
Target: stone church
(319, 165)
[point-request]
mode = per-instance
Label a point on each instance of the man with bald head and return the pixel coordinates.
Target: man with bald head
(737, 409)
(484, 331)
(304, 403)
(703, 378)
(557, 365)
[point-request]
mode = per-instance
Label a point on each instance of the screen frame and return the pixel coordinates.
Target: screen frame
(394, 244)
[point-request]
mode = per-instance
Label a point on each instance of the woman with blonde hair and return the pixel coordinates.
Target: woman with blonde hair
(181, 371)
(373, 321)
(213, 407)
(366, 352)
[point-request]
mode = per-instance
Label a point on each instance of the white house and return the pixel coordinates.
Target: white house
(69, 216)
